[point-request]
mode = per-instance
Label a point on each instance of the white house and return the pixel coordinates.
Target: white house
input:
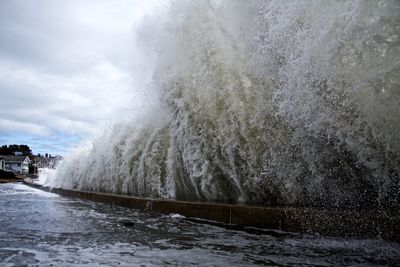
(17, 164)
(2, 164)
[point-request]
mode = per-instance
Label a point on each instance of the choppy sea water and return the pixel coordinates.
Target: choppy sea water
(43, 229)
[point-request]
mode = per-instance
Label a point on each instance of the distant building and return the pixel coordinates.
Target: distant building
(16, 164)
(46, 162)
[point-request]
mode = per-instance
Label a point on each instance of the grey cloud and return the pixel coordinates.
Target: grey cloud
(66, 66)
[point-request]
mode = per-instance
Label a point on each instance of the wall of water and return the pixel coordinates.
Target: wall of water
(263, 102)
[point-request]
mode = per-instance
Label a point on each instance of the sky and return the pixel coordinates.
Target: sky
(67, 68)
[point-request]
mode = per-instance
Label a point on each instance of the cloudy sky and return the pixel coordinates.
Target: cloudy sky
(66, 68)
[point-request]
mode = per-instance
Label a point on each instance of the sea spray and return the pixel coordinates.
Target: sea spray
(264, 102)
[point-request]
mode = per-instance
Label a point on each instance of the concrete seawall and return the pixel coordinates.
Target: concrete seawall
(345, 223)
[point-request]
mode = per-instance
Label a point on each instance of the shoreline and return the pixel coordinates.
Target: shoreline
(328, 222)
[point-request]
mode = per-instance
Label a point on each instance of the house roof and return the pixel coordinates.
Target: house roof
(13, 158)
(43, 159)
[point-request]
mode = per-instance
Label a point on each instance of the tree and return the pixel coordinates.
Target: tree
(12, 149)
(4, 150)
(25, 150)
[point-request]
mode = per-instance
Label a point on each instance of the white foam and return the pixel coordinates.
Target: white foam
(24, 189)
(176, 216)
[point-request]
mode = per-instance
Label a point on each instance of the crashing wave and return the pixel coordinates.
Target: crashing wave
(263, 102)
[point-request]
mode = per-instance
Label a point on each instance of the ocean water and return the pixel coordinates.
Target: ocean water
(281, 102)
(43, 229)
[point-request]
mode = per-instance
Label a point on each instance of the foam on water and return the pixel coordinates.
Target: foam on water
(21, 189)
(265, 102)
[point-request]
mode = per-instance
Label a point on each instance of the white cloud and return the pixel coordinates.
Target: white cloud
(88, 98)
(11, 125)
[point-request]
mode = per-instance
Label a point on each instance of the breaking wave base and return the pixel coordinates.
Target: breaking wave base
(260, 102)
